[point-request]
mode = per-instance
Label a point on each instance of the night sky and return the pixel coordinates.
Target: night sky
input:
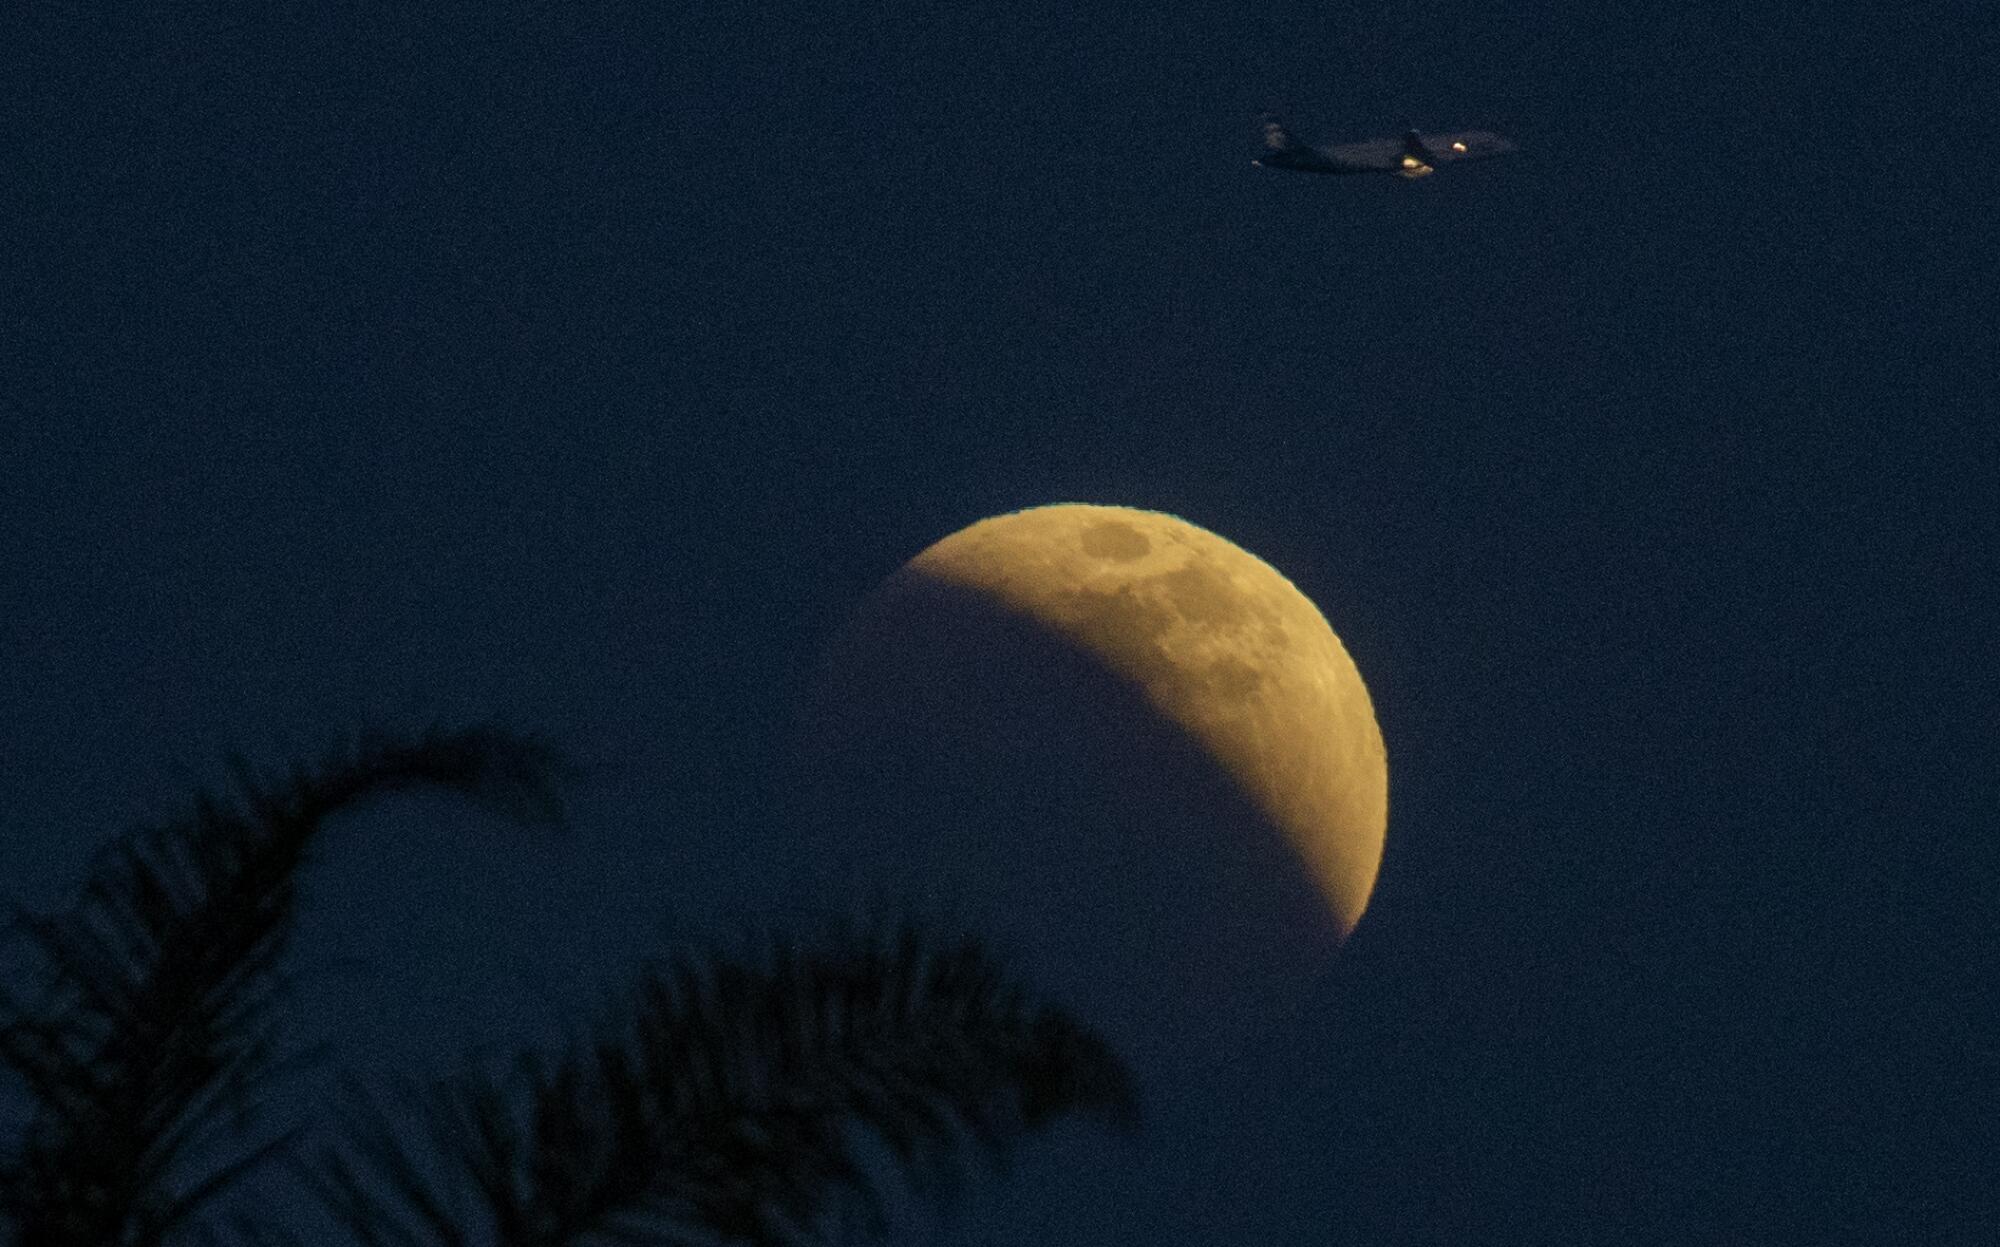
(587, 365)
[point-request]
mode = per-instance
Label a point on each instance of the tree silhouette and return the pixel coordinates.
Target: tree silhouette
(728, 1100)
(154, 1015)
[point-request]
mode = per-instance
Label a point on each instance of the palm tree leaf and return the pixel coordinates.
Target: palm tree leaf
(342, 1184)
(728, 1098)
(218, 1180)
(150, 1036)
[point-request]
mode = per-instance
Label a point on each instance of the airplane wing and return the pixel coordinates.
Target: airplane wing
(1379, 154)
(1466, 145)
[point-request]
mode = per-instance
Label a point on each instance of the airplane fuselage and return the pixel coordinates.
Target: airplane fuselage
(1378, 156)
(1412, 156)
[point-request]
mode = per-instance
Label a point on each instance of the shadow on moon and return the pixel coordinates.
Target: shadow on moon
(962, 760)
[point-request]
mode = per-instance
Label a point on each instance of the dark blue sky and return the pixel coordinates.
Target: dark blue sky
(587, 367)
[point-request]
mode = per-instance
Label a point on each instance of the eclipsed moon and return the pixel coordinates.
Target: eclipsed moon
(1092, 672)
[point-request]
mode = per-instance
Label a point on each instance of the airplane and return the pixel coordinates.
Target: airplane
(1412, 156)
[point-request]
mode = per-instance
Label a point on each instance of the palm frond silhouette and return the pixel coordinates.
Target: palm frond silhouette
(731, 1102)
(153, 1027)
(733, 1097)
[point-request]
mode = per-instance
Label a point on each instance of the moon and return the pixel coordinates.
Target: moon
(1078, 691)
(1139, 760)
